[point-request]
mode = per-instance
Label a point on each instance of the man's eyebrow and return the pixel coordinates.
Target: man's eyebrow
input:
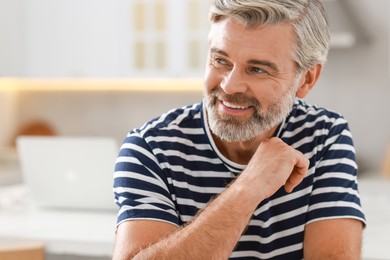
(219, 51)
(266, 63)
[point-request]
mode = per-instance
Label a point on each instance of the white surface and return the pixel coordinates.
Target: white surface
(89, 233)
(92, 233)
(375, 197)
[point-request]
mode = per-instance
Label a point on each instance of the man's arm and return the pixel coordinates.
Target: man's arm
(211, 235)
(333, 239)
(135, 235)
(216, 229)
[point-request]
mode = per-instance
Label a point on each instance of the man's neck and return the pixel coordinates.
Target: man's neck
(242, 152)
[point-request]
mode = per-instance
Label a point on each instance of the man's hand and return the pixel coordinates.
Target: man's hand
(273, 165)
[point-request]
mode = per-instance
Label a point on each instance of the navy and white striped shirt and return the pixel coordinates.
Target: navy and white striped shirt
(170, 168)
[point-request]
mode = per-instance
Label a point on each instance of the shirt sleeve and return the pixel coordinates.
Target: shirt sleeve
(335, 186)
(140, 185)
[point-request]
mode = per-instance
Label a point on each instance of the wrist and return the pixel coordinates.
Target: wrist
(249, 192)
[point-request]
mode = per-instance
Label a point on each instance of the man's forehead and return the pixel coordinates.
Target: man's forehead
(272, 41)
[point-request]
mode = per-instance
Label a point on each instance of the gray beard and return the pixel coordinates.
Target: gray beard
(234, 129)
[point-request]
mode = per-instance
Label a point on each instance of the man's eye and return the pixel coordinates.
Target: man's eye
(256, 70)
(219, 62)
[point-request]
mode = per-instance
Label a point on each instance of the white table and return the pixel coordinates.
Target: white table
(92, 233)
(88, 233)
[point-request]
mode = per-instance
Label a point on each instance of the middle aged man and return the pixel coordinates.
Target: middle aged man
(250, 172)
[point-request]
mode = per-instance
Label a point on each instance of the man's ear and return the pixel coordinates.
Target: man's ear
(308, 80)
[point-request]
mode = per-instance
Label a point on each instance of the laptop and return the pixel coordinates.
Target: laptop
(69, 172)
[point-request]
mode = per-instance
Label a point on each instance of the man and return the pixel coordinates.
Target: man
(251, 172)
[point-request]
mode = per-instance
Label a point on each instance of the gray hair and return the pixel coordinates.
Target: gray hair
(307, 17)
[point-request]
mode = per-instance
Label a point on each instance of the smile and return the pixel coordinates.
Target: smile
(233, 109)
(233, 106)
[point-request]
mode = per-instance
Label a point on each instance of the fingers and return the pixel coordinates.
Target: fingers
(276, 164)
(298, 173)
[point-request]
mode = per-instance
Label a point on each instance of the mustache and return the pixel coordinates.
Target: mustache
(237, 98)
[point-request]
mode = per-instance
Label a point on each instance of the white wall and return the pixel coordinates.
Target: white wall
(100, 113)
(11, 38)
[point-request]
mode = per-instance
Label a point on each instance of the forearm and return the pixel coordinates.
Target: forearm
(213, 233)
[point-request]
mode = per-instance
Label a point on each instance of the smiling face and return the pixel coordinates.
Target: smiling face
(250, 81)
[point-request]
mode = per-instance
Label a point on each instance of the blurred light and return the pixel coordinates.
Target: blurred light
(102, 84)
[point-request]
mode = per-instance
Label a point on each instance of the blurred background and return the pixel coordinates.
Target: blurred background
(101, 68)
(74, 39)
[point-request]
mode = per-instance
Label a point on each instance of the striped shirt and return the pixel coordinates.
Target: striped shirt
(170, 168)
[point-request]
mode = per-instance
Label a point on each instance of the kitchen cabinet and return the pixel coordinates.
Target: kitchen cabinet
(102, 38)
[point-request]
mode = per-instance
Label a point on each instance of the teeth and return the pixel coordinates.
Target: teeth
(230, 105)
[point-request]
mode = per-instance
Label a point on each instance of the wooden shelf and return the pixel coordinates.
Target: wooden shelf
(102, 84)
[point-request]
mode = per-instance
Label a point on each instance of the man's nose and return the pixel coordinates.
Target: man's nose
(234, 82)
